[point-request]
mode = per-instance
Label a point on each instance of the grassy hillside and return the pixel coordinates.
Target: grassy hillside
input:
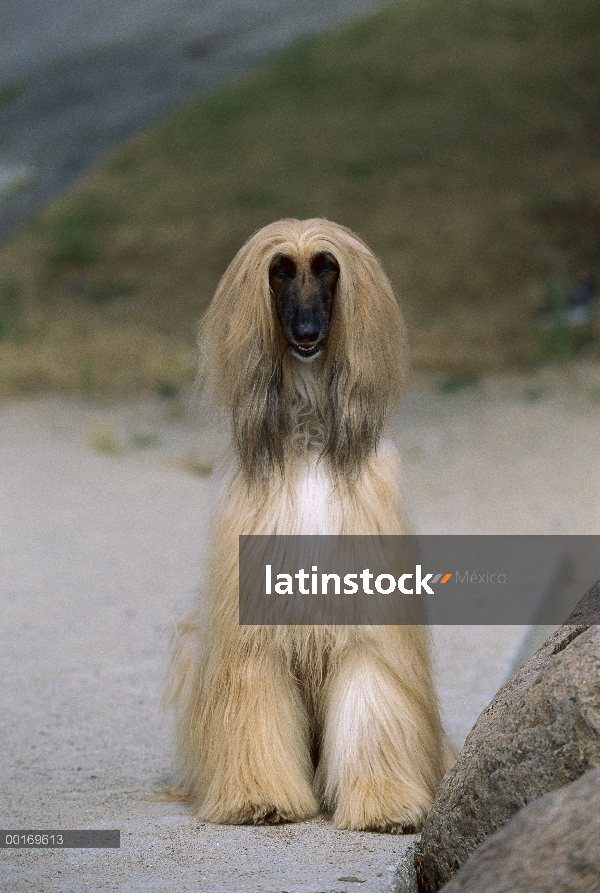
(459, 138)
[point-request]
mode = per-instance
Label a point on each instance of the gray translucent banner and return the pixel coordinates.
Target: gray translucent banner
(77, 839)
(382, 580)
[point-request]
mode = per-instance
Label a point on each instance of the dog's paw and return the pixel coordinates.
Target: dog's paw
(384, 811)
(380, 824)
(261, 811)
(264, 814)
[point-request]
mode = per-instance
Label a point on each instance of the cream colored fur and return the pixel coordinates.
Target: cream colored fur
(275, 722)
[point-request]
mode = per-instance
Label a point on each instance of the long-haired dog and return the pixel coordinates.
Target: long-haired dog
(303, 348)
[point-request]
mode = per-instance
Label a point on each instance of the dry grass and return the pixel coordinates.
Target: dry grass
(460, 139)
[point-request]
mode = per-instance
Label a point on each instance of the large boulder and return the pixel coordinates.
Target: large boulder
(541, 731)
(550, 846)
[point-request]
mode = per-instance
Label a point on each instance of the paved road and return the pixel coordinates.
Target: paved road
(87, 75)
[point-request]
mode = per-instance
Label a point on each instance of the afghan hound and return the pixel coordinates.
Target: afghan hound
(303, 348)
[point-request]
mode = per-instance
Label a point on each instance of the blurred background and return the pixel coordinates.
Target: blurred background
(143, 141)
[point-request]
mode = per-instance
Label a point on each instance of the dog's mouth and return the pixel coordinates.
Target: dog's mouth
(307, 350)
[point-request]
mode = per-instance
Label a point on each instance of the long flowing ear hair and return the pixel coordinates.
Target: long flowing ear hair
(243, 347)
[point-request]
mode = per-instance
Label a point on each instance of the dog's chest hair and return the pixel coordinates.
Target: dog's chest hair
(306, 498)
(305, 400)
(315, 506)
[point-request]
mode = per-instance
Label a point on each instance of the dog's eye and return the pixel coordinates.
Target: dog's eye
(283, 267)
(324, 263)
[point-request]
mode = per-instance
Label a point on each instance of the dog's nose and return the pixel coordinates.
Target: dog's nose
(306, 331)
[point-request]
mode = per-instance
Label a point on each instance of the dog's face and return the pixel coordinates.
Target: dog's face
(304, 292)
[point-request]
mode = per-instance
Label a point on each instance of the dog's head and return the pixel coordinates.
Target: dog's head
(300, 290)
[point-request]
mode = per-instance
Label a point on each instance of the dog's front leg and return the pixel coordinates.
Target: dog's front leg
(254, 731)
(382, 748)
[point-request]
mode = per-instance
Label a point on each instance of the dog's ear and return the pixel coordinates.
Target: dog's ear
(259, 418)
(240, 361)
(367, 360)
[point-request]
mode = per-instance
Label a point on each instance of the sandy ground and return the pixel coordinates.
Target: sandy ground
(103, 521)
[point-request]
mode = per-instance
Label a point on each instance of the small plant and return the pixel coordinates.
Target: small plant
(414, 454)
(104, 441)
(87, 381)
(460, 382)
(10, 308)
(257, 198)
(558, 341)
(197, 467)
(99, 292)
(533, 394)
(595, 395)
(12, 91)
(145, 441)
(75, 236)
(72, 247)
(544, 201)
(167, 390)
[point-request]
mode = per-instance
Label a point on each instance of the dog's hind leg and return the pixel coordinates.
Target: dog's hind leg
(382, 750)
(252, 741)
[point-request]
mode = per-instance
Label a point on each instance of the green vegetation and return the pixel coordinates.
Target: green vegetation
(104, 441)
(454, 383)
(11, 91)
(145, 441)
(10, 309)
(459, 138)
(73, 235)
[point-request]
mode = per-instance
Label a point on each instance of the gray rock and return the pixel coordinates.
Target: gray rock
(550, 846)
(541, 731)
